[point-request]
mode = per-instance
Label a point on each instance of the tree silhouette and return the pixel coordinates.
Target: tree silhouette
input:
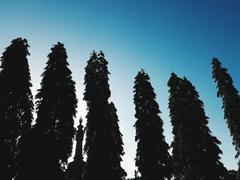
(195, 150)
(152, 159)
(16, 104)
(230, 99)
(76, 168)
(50, 142)
(103, 155)
(116, 144)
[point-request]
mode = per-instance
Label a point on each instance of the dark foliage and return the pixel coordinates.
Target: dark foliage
(103, 139)
(49, 144)
(33, 163)
(195, 150)
(231, 175)
(230, 99)
(76, 168)
(152, 159)
(16, 104)
(116, 144)
(41, 152)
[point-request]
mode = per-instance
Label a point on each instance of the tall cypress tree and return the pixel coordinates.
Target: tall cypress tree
(16, 104)
(230, 99)
(99, 131)
(195, 150)
(175, 106)
(116, 144)
(76, 168)
(152, 159)
(50, 142)
(56, 108)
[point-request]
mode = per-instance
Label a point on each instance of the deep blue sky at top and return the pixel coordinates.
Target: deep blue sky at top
(160, 36)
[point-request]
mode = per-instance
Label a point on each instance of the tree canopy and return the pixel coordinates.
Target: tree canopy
(196, 152)
(16, 105)
(152, 159)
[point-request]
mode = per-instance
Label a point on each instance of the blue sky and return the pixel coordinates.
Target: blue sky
(158, 35)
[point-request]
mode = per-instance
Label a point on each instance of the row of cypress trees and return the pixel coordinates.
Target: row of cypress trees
(195, 151)
(39, 149)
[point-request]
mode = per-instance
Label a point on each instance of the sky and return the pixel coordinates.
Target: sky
(160, 36)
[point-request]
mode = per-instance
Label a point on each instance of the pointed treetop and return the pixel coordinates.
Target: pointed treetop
(216, 62)
(58, 46)
(173, 74)
(142, 75)
(58, 52)
(93, 54)
(18, 43)
(97, 56)
(142, 71)
(101, 58)
(101, 54)
(173, 79)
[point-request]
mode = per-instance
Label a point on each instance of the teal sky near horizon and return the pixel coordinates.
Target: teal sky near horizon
(157, 35)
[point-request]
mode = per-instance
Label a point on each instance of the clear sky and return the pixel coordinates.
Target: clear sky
(161, 36)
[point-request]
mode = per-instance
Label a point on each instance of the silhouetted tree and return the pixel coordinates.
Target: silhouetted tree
(76, 168)
(50, 142)
(195, 150)
(103, 155)
(116, 144)
(230, 99)
(16, 104)
(152, 158)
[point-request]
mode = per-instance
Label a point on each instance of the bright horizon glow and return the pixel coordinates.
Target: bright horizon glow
(159, 36)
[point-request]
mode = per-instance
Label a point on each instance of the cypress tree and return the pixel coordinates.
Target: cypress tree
(56, 107)
(152, 158)
(99, 145)
(16, 104)
(230, 99)
(76, 168)
(116, 144)
(50, 142)
(195, 150)
(175, 106)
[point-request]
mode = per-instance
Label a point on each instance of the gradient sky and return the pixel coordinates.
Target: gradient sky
(161, 36)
